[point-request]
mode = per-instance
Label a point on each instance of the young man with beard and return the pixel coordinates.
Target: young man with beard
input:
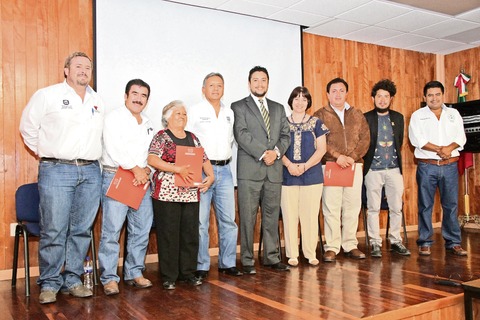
(383, 167)
(263, 136)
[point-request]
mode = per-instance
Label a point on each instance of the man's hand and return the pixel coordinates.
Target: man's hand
(269, 157)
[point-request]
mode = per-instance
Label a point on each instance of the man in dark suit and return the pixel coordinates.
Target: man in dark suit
(262, 133)
(383, 167)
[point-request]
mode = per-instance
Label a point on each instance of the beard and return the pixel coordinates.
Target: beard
(382, 111)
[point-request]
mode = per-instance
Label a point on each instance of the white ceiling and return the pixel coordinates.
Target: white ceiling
(440, 26)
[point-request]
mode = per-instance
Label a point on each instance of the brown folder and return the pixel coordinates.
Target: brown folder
(192, 156)
(122, 189)
(335, 176)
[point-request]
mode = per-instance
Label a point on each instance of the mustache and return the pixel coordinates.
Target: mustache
(138, 102)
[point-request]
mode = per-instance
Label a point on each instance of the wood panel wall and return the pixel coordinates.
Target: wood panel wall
(37, 35)
(35, 38)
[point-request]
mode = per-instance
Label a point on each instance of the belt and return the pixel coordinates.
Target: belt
(75, 162)
(109, 168)
(220, 162)
(439, 162)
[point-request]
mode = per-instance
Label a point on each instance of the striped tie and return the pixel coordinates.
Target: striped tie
(265, 116)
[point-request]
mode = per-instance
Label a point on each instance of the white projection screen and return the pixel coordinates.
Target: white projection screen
(173, 47)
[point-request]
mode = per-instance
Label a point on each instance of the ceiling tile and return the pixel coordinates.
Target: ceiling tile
(204, 3)
(335, 28)
(329, 8)
(250, 8)
(298, 17)
(469, 36)
(412, 20)
(446, 28)
(277, 3)
(373, 12)
(473, 15)
(371, 34)
(404, 40)
(437, 46)
(449, 7)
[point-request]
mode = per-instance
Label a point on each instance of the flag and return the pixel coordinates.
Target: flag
(460, 83)
(465, 161)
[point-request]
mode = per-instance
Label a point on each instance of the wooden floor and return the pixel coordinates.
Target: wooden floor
(393, 287)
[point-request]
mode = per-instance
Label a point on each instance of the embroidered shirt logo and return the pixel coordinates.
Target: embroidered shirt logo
(66, 104)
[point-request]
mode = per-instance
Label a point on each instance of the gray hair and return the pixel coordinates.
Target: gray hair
(212, 74)
(168, 109)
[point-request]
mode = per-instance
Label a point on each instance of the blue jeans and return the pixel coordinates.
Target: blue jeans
(69, 201)
(223, 196)
(445, 178)
(139, 223)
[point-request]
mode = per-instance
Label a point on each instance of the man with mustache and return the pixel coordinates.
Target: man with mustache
(383, 167)
(62, 124)
(127, 135)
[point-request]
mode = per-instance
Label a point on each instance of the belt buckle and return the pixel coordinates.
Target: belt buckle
(438, 162)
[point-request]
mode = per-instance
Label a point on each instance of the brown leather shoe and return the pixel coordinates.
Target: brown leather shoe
(355, 254)
(329, 256)
(457, 250)
(111, 288)
(139, 282)
(424, 251)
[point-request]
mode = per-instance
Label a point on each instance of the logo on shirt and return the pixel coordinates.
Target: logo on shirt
(66, 104)
(228, 119)
(451, 118)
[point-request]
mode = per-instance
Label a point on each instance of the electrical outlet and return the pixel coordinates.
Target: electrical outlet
(12, 229)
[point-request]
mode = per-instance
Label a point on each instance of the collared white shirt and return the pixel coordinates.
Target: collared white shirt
(56, 123)
(125, 142)
(257, 102)
(215, 133)
(425, 127)
(341, 113)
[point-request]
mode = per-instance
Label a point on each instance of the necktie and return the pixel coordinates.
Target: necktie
(265, 116)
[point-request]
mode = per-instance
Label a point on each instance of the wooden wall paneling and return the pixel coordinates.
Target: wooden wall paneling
(467, 60)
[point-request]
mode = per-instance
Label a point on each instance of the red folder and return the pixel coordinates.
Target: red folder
(122, 189)
(335, 176)
(192, 156)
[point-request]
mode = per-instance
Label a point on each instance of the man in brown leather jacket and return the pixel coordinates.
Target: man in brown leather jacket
(347, 143)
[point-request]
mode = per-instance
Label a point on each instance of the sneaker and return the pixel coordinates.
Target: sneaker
(458, 251)
(313, 262)
(376, 251)
(80, 291)
(47, 296)
(424, 251)
(400, 249)
(293, 262)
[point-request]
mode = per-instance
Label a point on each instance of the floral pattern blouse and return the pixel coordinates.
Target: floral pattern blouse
(164, 188)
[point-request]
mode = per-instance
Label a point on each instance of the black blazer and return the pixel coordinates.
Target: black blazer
(398, 125)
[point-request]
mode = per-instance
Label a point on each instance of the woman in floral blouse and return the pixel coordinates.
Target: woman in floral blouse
(176, 208)
(302, 178)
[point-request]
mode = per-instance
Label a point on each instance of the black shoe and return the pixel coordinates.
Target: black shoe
(280, 267)
(249, 270)
(376, 251)
(201, 274)
(233, 271)
(400, 249)
(169, 285)
(194, 281)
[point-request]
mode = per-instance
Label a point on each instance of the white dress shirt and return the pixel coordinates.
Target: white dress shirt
(125, 142)
(425, 127)
(56, 123)
(341, 113)
(215, 133)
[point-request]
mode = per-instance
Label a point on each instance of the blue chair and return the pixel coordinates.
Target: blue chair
(27, 201)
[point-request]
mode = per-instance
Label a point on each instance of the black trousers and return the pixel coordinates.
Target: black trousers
(177, 226)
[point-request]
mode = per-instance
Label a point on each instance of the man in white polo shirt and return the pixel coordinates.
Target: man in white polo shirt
(126, 136)
(62, 124)
(212, 122)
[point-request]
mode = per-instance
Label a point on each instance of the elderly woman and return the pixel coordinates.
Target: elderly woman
(175, 208)
(302, 178)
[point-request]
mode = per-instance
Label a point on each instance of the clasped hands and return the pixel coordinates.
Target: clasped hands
(269, 157)
(444, 152)
(187, 174)
(345, 161)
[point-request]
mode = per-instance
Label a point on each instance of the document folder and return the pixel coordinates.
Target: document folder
(192, 156)
(122, 189)
(335, 176)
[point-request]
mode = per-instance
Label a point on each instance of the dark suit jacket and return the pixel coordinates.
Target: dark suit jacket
(251, 135)
(397, 121)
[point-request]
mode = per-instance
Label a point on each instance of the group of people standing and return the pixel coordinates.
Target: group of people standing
(280, 165)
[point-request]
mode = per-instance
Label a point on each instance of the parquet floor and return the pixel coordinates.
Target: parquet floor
(347, 289)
